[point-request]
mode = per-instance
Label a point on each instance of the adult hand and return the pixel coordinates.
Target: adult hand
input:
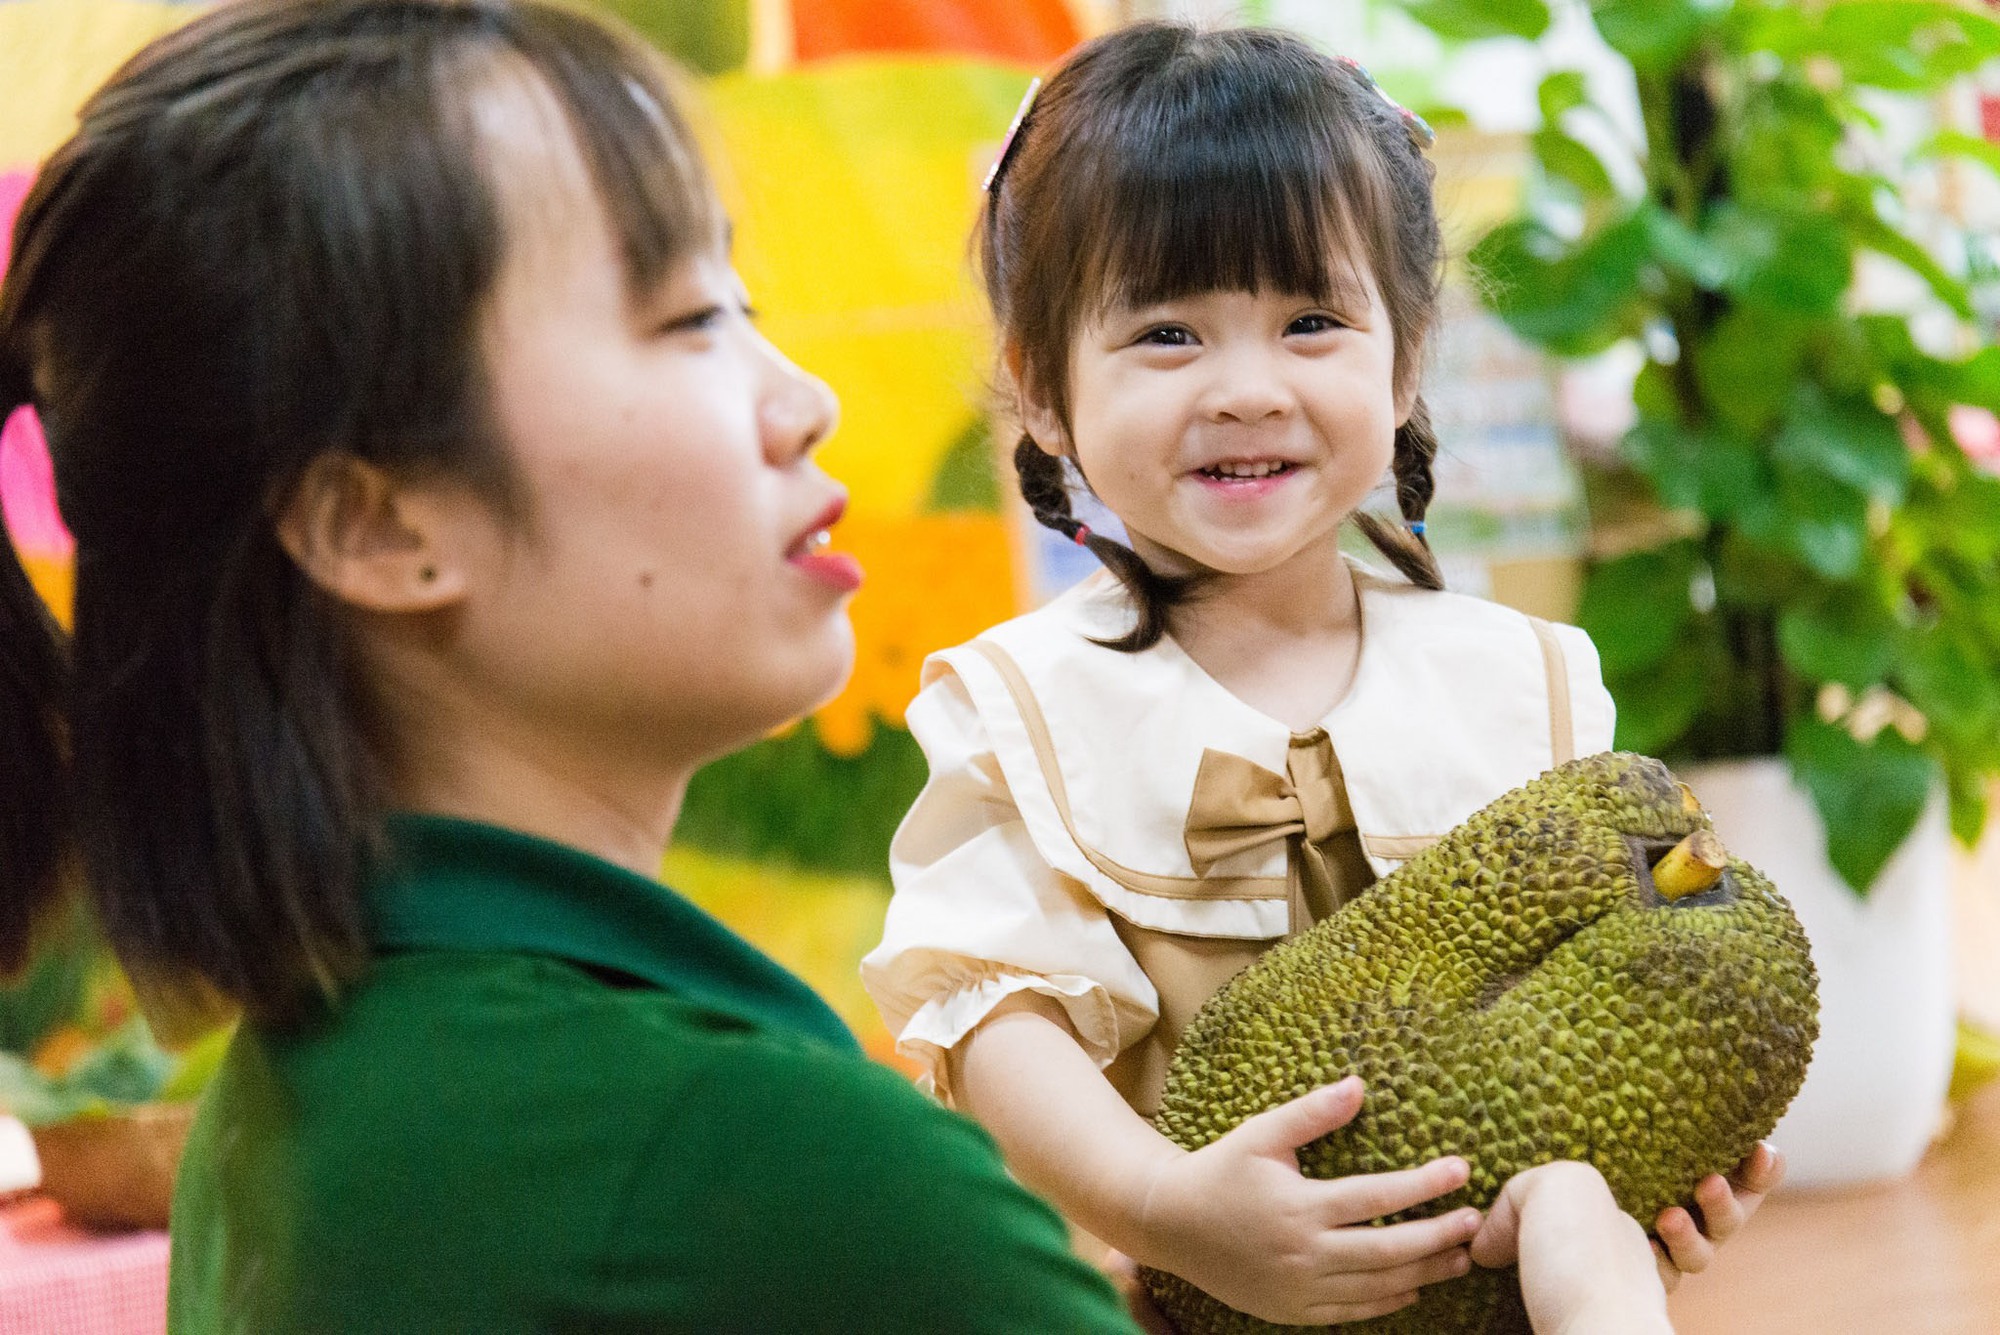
(1586, 1267)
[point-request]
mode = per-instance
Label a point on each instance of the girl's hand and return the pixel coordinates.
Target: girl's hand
(1239, 1221)
(1726, 1204)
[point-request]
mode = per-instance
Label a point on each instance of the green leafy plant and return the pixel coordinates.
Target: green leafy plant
(1814, 567)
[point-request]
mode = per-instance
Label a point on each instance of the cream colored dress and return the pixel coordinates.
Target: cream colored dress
(1119, 832)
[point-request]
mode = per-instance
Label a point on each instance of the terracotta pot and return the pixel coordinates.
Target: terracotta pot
(1874, 1096)
(117, 1171)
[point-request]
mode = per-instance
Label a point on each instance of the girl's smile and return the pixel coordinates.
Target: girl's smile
(1232, 431)
(1247, 479)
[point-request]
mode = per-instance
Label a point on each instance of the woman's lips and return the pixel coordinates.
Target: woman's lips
(812, 554)
(836, 569)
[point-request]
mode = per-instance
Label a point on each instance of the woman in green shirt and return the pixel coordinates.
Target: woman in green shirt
(422, 459)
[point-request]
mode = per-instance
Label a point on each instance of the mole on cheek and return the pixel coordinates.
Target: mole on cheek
(645, 579)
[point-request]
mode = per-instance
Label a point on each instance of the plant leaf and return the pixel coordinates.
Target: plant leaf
(1656, 707)
(1574, 300)
(1652, 34)
(1470, 20)
(1793, 261)
(1561, 92)
(1949, 681)
(1681, 249)
(1902, 45)
(1634, 606)
(1720, 474)
(1570, 160)
(1956, 143)
(1747, 365)
(1844, 638)
(1869, 796)
(1877, 235)
(1824, 522)
(1969, 806)
(1854, 443)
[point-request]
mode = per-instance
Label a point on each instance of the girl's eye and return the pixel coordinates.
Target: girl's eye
(1313, 324)
(1168, 336)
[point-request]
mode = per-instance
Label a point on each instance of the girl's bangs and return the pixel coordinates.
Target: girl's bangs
(1249, 208)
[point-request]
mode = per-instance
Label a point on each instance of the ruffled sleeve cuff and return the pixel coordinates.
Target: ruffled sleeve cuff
(955, 1009)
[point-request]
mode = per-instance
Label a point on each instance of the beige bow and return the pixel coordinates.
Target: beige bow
(1239, 805)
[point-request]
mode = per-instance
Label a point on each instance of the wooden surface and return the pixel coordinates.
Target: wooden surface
(1916, 1257)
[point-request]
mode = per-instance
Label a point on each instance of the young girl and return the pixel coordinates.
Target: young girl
(437, 511)
(1213, 259)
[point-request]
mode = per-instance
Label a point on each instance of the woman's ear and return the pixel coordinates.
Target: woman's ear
(371, 541)
(1038, 417)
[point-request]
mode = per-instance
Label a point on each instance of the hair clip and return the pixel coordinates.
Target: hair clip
(1082, 535)
(1013, 134)
(1422, 136)
(1416, 528)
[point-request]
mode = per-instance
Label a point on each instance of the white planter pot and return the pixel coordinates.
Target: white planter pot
(1874, 1094)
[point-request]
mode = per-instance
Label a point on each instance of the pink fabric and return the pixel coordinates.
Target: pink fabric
(59, 1280)
(28, 490)
(27, 484)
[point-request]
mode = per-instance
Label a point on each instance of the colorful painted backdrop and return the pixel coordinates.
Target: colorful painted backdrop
(850, 138)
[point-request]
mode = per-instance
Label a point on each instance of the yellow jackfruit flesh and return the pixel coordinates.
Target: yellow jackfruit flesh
(1519, 992)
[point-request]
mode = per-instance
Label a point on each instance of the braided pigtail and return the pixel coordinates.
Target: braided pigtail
(1046, 490)
(36, 823)
(1407, 548)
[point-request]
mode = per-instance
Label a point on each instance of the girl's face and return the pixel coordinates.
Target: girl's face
(663, 595)
(1232, 431)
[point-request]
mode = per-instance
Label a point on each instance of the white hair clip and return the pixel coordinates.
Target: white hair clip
(1013, 133)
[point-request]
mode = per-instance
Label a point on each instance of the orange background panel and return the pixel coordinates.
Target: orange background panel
(1026, 32)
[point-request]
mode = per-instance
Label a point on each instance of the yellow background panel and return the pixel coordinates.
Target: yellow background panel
(905, 396)
(854, 186)
(54, 53)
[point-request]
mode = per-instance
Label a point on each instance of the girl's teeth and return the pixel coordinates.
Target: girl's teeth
(818, 542)
(1264, 469)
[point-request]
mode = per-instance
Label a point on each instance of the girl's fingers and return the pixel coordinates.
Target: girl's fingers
(1290, 1126)
(1689, 1250)
(1335, 1313)
(1762, 1169)
(1356, 1200)
(1366, 1285)
(1670, 1274)
(1721, 1215)
(1384, 1249)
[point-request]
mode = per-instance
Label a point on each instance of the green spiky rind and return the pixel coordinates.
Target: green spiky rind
(1555, 1009)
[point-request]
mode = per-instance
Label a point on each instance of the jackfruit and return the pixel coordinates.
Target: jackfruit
(1517, 993)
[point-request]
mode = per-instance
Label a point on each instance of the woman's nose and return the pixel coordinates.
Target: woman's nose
(799, 410)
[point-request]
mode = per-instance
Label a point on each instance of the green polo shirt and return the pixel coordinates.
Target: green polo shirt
(565, 1099)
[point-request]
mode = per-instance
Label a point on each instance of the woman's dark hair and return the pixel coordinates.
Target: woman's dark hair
(1162, 161)
(271, 238)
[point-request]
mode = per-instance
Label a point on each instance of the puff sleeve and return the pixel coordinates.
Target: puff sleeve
(978, 914)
